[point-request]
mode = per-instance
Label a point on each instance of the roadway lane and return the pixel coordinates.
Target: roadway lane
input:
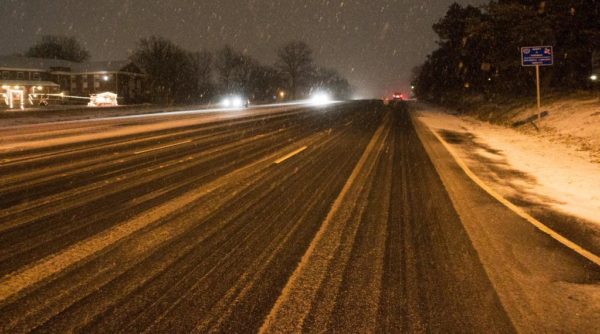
(301, 220)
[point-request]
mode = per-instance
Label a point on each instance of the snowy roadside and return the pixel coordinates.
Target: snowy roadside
(552, 181)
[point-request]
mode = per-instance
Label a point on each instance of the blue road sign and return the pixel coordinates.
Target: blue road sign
(537, 56)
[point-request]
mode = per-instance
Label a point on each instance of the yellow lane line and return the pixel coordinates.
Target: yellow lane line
(519, 211)
(282, 159)
(162, 147)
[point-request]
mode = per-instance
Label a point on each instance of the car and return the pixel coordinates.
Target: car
(398, 97)
(234, 101)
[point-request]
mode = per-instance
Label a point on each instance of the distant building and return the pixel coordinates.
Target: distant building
(53, 76)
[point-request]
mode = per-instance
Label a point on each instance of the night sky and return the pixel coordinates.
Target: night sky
(374, 43)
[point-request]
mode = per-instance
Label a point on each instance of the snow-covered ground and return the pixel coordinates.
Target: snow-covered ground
(574, 121)
(535, 171)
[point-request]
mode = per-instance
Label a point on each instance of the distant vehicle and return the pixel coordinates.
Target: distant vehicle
(234, 101)
(398, 97)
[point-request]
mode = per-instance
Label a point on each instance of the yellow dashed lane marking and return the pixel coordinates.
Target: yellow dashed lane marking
(162, 147)
(284, 158)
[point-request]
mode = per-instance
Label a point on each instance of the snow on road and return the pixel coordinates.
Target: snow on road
(81, 130)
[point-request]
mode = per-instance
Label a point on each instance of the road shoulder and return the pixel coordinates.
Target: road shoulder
(543, 286)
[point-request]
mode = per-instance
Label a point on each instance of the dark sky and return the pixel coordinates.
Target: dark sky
(374, 43)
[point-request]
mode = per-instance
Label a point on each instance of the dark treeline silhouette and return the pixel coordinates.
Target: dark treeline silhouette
(479, 49)
(176, 75)
(59, 47)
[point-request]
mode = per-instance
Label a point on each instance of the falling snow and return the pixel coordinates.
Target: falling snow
(346, 35)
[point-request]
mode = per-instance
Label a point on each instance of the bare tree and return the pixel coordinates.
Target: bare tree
(200, 74)
(166, 64)
(265, 83)
(242, 74)
(296, 65)
(332, 81)
(228, 61)
(59, 47)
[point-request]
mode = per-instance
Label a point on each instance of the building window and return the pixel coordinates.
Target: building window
(96, 83)
(36, 76)
(20, 75)
(5, 75)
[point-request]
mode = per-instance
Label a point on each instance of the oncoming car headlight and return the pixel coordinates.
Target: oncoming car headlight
(226, 102)
(320, 98)
(233, 102)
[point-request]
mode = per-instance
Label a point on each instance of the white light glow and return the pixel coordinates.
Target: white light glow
(594, 77)
(12, 93)
(237, 102)
(320, 99)
(106, 99)
(226, 103)
(233, 102)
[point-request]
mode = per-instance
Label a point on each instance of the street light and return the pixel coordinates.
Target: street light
(105, 77)
(594, 77)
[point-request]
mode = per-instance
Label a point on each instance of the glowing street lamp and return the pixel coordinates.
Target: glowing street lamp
(594, 77)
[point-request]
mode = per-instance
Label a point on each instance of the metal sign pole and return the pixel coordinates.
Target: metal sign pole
(539, 94)
(537, 56)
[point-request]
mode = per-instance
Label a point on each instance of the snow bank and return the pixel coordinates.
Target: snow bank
(531, 170)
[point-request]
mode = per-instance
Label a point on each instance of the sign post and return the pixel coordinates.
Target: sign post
(539, 93)
(537, 56)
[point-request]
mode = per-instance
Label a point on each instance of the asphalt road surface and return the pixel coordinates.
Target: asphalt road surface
(299, 219)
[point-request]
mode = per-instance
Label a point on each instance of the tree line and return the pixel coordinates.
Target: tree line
(177, 75)
(479, 49)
